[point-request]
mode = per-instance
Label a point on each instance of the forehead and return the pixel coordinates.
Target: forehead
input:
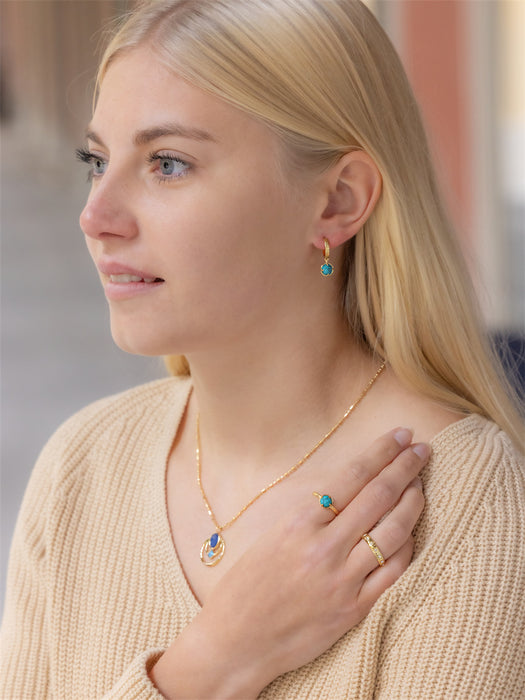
(138, 91)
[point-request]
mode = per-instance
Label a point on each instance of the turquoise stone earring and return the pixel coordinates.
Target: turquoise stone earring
(327, 268)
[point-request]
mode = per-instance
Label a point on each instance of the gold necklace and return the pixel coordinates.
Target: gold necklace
(212, 551)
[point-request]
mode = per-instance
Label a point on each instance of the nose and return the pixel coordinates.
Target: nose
(108, 214)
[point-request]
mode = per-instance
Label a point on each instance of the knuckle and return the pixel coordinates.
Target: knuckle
(298, 523)
(320, 554)
(412, 499)
(417, 482)
(358, 472)
(384, 494)
(390, 445)
(361, 607)
(398, 531)
(382, 452)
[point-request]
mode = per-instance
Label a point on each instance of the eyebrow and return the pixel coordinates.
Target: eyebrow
(145, 136)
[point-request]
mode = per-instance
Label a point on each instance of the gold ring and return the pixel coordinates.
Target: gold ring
(375, 549)
(326, 502)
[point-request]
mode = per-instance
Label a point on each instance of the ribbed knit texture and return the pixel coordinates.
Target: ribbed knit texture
(95, 591)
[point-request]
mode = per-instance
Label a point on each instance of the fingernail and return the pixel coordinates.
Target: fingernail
(422, 450)
(403, 436)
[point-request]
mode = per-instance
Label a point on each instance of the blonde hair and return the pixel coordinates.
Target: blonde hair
(324, 76)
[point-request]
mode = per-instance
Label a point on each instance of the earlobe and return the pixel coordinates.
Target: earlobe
(353, 189)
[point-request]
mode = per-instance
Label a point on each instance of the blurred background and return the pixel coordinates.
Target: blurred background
(466, 61)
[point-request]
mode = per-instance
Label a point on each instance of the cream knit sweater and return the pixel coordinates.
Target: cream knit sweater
(95, 590)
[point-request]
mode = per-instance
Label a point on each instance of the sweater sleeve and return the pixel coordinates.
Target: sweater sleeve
(24, 653)
(460, 632)
(135, 683)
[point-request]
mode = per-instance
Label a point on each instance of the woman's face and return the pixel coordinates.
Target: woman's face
(196, 236)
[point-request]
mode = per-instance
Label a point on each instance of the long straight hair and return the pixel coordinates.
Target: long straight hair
(325, 77)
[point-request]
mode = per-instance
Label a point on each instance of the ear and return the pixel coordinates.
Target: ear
(351, 190)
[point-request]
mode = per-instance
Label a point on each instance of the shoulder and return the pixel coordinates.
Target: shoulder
(474, 460)
(157, 396)
(459, 605)
(475, 490)
(475, 446)
(468, 558)
(107, 425)
(101, 445)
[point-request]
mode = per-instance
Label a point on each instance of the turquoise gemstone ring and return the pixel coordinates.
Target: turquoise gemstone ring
(326, 502)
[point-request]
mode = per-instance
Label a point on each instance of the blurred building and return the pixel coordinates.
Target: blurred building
(49, 58)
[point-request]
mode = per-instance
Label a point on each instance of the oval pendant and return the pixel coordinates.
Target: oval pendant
(212, 551)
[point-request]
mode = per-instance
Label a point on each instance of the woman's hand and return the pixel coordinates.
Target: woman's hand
(304, 583)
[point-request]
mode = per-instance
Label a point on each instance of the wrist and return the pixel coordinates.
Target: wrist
(201, 663)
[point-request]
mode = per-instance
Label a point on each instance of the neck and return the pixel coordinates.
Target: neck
(276, 406)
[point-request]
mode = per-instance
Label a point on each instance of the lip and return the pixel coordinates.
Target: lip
(112, 267)
(116, 291)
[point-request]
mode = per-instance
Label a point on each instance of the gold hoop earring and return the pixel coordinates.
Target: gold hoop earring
(327, 268)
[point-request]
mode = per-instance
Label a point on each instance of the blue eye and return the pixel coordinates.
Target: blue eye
(169, 167)
(97, 164)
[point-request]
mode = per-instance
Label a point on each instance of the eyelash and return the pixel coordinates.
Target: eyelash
(152, 157)
(90, 158)
(85, 156)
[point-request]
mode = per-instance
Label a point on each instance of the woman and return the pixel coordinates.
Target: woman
(263, 212)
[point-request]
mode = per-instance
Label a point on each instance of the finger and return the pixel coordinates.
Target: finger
(380, 495)
(328, 506)
(391, 533)
(376, 583)
(373, 460)
(365, 467)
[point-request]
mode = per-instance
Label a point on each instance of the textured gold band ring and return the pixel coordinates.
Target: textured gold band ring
(375, 549)
(326, 502)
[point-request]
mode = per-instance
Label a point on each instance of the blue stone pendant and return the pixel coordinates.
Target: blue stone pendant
(212, 551)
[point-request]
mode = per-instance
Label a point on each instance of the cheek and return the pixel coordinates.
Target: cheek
(230, 233)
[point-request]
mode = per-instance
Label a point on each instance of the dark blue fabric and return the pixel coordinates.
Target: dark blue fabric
(511, 349)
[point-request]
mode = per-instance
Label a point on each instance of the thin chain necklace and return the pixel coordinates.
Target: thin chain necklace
(212, 551)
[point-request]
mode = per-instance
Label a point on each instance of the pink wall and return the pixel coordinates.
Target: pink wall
(435, 42)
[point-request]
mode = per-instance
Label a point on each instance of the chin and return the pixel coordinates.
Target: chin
(137, 348)
(138, 341)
